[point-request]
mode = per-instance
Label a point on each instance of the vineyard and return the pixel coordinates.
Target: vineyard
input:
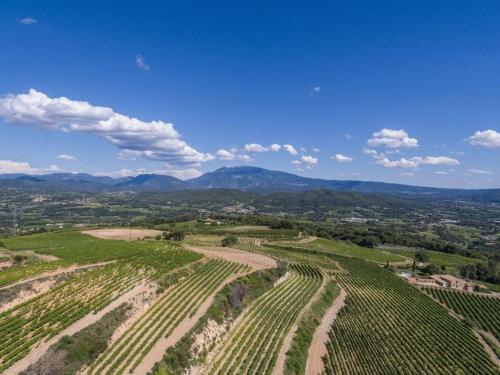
(71, 248)
(482, 311)
(176, 304)
(253, 344)
(50, 313)
(389, 327)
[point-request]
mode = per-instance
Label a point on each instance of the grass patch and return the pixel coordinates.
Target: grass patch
(351, 250)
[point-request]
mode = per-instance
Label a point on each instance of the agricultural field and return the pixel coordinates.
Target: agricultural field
(439, 259)
(483, 312)
(387, 326)
(331, 297)
(351, 250)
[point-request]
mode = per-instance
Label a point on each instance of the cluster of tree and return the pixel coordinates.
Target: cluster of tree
(175, 235)
(489, 272)
(229, 241)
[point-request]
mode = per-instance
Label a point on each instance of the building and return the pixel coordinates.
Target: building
(443, 281)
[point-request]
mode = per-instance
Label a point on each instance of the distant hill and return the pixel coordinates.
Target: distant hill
(246, 178)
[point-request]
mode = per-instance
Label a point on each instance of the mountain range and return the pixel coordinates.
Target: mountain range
(245, 178)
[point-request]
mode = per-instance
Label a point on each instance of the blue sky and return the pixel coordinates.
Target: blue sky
(374, 90)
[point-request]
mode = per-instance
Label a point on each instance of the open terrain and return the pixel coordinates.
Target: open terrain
(310, 318)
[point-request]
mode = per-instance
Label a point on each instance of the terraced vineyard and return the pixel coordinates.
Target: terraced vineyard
(48, 314)
(177, 303)
(254, 342)
(72, 248)
(389, 327)
(482, 311)
(216, 240)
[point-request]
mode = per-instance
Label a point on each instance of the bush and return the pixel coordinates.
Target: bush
(229, 241)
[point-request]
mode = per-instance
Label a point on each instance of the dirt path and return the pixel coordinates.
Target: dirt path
(123, 233)
(318, 348)
(487, 348)
(158, 351)
(38, 351)
(308, 239)
(56, 272)
(279, 368)
(255, 260)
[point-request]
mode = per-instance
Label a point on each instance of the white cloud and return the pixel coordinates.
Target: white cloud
(290, 149)
(306, 161)
(348, 136)
(475, 171)
(392, 138)
(123, 173)
(487, 138)
(316, 90)
(442, 173)
(373, 153)
(416, 161)
(67, 157)
(154, 140)
(275, 147)
(28, 21)
(315, 149)
(245, 158)
(225, 155)
(407, 174)
(9, 167)
(401, 163)
(255, 148)
(128, 155)
(140, 62)
(342, 158)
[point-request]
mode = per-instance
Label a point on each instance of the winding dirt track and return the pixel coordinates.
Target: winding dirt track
(318, 348)
(279, 368)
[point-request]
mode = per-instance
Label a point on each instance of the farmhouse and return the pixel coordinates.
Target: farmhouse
(443, 281)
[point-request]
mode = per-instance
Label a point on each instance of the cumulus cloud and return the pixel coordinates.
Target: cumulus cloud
(348, 136)
(154, 140)
(392, 139)
(275, 147)
(140, 62)
(225, 155)
(475, 171)
(416, 161)
(315, 149)
(442, 173)
(487, 138)
(373, 153)
(67, 157)
(28, 21)
(316, 90)
(290, 149)
(306, 161)
(9, 167)
(342, 158)
(245, 158)
(255, 148)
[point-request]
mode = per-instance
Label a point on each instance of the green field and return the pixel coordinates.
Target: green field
(351, 250)
(389, 327)
(438, 258)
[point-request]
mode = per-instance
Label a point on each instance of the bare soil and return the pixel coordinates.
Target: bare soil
(123, 233)
(279, 368)
(159, 349)
(38, 351)
(254, 260)
(318, 348)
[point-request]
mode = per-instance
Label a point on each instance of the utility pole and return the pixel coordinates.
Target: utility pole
(15, 212)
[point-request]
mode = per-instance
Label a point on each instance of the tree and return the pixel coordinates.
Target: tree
(421, 256)
(175, 235)
(229, 241)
